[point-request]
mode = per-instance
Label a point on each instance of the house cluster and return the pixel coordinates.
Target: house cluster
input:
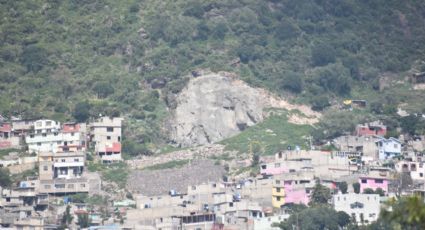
(60, 152)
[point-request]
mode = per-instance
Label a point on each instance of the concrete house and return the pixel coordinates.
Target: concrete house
(105, 135)
(374, 180)
(48, 136)
(388, 148)
(7, 139)
(371, 129)
(363, 208)
(62, 173)
(415, 169)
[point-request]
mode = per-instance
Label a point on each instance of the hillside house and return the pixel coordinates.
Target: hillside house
(49, 136)
(418, 78)
(388, 148)
(62, 173)
(363, 208)
(371, 129)
(105, 136)
(374, 180)
(415, 169)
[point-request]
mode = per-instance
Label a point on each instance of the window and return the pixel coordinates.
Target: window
(82, 185)
(71, 186)
(44, 135)
(32, 136)
(59, 142)
(45, 168)
(55, 134)
(263, 166)
(379, 181)
(119, 139)
(109, 129)
(76, 160)
(59, 185)
(63, 160)
(278, 198)
(277, 189)
(108, 137)
(277, 181)
(421, 174)
(231, 204)
(39, 144)
(48, 123)
(72, 134)
(396, 146)
(364, 181)
(277, 165)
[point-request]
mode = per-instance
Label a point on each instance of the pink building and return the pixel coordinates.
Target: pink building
(295, 194)
(273, 169)
(370, 129)
(373, 183)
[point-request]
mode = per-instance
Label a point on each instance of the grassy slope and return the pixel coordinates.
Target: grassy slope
(271, 135)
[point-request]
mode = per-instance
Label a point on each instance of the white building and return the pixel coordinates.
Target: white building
(416, 169)
(363, 208)
(105, 135)
(49, 137)
(388, 148)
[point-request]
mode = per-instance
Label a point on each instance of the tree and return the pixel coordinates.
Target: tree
(67, 217)
(320, 194)
(81, 111)
(343, 218)
(343, 187)
(103, 89)
(368, 191)
(319, 102)
(314, 218)
(34, 58)
(83, 220)
(407, 213)
(293, 82)
(322, 54)
(356, 187)
(5, 180)
(412, 124)
(380, 192)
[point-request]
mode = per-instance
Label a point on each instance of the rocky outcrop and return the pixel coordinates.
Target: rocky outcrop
(215, 106)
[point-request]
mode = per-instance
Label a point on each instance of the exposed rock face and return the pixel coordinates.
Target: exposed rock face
(215, 106)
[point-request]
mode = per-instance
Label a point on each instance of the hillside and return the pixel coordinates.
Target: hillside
(61, 59)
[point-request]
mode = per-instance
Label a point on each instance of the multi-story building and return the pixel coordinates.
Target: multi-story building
(105, 135)
(48, 136)
(363, 208)
(388, 148)
(414, 168)
(62, 173)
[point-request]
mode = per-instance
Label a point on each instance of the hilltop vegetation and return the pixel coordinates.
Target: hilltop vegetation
(58, 58)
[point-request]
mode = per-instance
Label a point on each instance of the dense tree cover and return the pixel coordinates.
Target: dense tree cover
(406, 213)
(56, 54)
(316, 218)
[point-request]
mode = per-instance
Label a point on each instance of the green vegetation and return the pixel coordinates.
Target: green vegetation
(72, 60)
(5, 152)
(168, 165)
(316, 218)
(117, 172)
(273, 134)
(5, 179)
(406, 213)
